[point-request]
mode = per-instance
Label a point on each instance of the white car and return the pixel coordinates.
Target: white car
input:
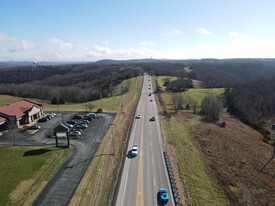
(138, 116)
(134, 150)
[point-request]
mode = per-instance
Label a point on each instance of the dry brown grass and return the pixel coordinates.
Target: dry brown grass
(236, 154)
(99, 181)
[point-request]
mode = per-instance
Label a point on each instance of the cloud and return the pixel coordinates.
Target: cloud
(147, 43)
(204, 31)
(174, 31)
(99, 51)
(62, 46)
(13, 44)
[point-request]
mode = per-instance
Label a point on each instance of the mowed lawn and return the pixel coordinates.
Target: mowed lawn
(25, 170)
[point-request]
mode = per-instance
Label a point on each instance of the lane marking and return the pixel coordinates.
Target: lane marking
(152, 160)
(154, 180)
(151, 143)
(139, 194)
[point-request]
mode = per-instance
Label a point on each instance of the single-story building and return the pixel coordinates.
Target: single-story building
(20, 113)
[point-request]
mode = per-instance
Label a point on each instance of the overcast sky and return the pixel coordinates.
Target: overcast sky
(89, 30)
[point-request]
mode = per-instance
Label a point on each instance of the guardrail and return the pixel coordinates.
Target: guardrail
(172, 180)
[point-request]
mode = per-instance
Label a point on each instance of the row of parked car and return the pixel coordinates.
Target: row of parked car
(47, 117)
(78, 123)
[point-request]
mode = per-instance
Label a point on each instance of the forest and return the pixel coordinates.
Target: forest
(250, 83)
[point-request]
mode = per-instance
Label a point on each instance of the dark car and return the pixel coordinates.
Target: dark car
(78, 116)
(71, 122)
(152, 119)
(163, 195)
(43, 119)
(149, 94)
(34, 127)
(89, 118)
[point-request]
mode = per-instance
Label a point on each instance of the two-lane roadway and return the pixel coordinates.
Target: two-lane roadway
(146, 173)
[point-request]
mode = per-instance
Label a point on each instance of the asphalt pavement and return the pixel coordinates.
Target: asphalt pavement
(146, 173)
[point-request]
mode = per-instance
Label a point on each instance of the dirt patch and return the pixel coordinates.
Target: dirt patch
(236, 155)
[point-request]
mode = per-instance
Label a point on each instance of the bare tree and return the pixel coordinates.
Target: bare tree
(90, 106)
(177, 101)
(211, 107)
(194, 105)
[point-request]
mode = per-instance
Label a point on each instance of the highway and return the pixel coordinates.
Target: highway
(146, 173)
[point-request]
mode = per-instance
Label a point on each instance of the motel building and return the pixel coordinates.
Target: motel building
(19, 114)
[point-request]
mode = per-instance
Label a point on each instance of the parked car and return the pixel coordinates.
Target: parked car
(85, 121)
(81, 126)
(69, 125)
(43, 119)
(91, 114)
(77, 129)
(89, 118)
(149, 94)
(74, 134)
(78, 116)
(71, 122)
(138, 116)
(35, 127)
(152, 119)
(163, 195)
(52, 114)
(134, 150)
(151, 100)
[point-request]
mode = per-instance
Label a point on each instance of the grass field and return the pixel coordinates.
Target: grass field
(199, 186)
(25, 170)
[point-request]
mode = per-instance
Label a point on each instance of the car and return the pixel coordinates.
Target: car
(89, 118)
(69, 125)
(91, 114)
(78, 116)
(74, 134)
(76, 129)
(43, 119)
(81, 126)
(138, 116)
(134, 150)
(151, 100)
(149, 94)
(152, 119)
(85, 121)
(35, 127)
(52, 114)
(163, 195)
(149, 87)
(71, 122)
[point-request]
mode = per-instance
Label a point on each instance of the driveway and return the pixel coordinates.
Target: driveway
(62, 186)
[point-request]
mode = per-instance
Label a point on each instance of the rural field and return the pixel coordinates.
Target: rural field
(216, 166)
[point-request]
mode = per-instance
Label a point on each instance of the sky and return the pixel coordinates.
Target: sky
(90, 30)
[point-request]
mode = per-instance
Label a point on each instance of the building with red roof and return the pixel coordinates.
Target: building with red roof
(20, 113)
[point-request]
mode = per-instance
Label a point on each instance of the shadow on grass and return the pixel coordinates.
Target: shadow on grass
(36, 152)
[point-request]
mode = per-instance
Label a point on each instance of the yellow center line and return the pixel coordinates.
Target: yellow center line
(139, 194)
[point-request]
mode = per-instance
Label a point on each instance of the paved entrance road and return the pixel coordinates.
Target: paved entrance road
(62, 186)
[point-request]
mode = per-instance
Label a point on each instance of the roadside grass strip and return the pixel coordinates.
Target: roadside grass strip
(201, 187)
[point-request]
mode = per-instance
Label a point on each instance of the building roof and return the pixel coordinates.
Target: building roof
(17, 109)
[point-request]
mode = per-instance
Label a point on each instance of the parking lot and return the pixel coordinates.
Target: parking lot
(61, 187)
